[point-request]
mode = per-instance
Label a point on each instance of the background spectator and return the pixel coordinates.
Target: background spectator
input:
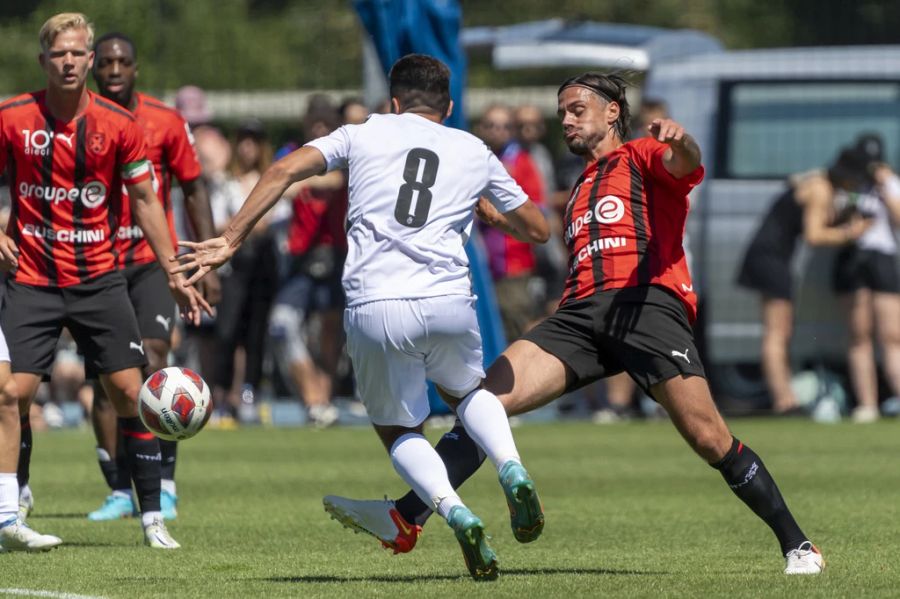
(512, 262)
(250, 286)
(311, 297)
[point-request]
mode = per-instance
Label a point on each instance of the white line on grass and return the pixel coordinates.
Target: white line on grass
(54, 594)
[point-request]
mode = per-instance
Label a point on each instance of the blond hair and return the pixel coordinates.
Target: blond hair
(63, 22)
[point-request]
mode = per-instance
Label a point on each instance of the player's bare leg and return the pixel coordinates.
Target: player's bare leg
(525, 377)
(142, 451)
(15, 535)
(689, 403)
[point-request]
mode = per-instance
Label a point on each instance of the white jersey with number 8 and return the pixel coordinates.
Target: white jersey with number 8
(413, 186)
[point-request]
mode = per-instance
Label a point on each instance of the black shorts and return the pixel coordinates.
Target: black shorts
(97, 313)
(766, 273)
(643, 331)
(865, 269)
(153, 303)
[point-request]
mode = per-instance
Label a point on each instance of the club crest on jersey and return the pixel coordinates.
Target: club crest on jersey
(96, 142)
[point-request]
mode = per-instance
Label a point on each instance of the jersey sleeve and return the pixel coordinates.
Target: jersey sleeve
(335, 147)
(652, 152)
(133, 162)
(501, 189)
(180, 152)
(3, 149)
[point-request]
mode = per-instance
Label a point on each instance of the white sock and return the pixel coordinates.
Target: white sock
(9, 496)
(122, 493)
(485, 420)
(168, 486)
(420, 466)
(147, 518)
(103, 455)
(25, 492)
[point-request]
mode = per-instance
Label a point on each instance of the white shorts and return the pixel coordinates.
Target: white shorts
(396, 345)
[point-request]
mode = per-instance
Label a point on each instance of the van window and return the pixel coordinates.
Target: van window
(775, 128)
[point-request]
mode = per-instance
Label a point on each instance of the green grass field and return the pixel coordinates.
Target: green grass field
(630, 513)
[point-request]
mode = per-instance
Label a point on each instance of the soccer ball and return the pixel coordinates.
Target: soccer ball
(174, 403)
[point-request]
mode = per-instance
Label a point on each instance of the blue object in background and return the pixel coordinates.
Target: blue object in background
(400, 27)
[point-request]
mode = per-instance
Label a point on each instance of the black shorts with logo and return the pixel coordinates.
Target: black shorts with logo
(643, 331)
(98, 314)
(153, 303)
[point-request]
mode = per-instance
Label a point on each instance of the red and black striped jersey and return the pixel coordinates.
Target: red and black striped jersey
(625, 225)
(64, 180)
(171, 151)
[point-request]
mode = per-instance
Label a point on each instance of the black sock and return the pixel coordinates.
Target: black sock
(123, 468)
(169, 451)
(461, 456)
(109, 469)
(24, 471)
(748, 477)
(142, 449)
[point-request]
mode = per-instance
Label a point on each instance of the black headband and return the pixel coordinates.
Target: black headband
(594, 88)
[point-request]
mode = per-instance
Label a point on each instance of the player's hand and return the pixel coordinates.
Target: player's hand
(667, 131)
(9, 253)
(210, 287)
(203, 256)
(488, 213)
(190, 302)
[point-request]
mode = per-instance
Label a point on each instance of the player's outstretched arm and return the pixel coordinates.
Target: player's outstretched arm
(213, 253)
(196, 203)
(296, 166)
(150, 217)
(525, 223)
(683, 156)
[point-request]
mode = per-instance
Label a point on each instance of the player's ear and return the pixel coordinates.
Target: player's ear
(612, 112)
(91, 60)
(449, 111)
(395, 106)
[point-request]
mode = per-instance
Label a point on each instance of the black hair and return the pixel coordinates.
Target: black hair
(872, 145)
(610, 88)
(115, 35)
(851, 168)
(419, 80)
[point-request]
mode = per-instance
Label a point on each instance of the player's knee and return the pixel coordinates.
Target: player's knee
(9, 395)
(711, 442)
(157, 352)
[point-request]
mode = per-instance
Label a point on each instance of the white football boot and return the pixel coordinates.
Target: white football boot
(377, 518)
(805, 559)
(18, 536)
(157, 536)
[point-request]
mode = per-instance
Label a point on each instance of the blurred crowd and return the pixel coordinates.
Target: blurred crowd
(278, 330)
